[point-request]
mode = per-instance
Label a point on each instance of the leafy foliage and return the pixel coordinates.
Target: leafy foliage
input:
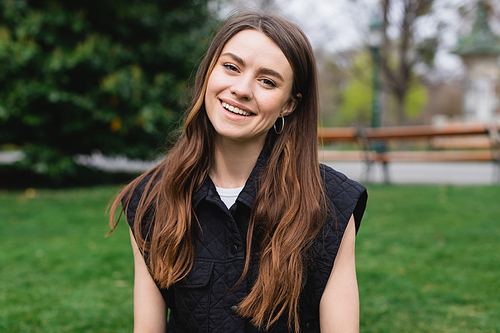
(399, 71)
(416, 99)
(357, 96)
(356, 107)
(81, 75)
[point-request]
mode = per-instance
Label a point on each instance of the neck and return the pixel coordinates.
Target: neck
(233, 162)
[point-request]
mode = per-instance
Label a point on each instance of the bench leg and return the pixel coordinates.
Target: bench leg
(385, 168)
(367, 169)
(496, 171)
(368, 164)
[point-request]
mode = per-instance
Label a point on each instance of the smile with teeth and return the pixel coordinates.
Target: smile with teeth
(234, 109)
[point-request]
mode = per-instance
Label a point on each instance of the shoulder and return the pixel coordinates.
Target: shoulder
(131, 201)
(346, 196)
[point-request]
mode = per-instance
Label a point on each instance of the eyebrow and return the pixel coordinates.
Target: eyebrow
(266, 71)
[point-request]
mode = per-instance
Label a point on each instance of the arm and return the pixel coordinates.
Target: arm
(150, 311)
(339, 305)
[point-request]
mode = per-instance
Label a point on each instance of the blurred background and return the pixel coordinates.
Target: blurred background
(92, 93)
(88, 87)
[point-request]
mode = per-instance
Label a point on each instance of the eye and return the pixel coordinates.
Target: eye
(230, 67)
(268, 82)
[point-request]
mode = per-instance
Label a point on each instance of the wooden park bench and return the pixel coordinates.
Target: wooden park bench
(447, 143)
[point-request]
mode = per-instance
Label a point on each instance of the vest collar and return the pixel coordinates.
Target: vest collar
(247, 196)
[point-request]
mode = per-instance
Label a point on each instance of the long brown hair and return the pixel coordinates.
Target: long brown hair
(289, 208)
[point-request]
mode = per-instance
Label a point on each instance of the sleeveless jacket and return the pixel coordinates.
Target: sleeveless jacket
(201, 303)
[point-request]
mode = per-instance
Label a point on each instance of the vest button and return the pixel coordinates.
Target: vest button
(311, 325)
(233, 310)
(234, 249)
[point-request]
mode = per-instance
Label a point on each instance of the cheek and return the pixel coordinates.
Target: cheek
(211, 92)
(215, 82)
(209, 86)
(273, 105)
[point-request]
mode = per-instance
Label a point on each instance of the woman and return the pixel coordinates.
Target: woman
(240, 229)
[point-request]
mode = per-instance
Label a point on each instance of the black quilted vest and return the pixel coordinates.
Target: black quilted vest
(201, 301)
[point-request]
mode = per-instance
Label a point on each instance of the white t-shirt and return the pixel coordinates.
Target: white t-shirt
(229, 195)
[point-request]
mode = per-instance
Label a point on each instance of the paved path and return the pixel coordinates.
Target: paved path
(469, 173)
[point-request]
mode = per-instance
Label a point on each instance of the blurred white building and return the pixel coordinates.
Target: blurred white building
(480, 52)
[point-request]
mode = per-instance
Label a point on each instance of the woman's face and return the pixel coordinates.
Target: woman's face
(249, 88)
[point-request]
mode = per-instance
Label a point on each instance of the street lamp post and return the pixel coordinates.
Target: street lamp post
(375, 40)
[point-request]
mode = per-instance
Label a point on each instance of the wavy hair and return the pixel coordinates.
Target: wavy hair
(289, 209)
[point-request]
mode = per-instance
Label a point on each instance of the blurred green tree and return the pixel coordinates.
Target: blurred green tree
(348, 101)
(81, 75)
(400, 56)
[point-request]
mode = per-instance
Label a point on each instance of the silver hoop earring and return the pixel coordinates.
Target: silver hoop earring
(282, 126)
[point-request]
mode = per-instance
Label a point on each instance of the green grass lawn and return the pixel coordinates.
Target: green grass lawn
(58, 272)
(428, 260)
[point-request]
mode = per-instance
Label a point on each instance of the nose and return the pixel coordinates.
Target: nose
(242, 88)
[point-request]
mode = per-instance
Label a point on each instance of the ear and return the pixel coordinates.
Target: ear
(291, 105)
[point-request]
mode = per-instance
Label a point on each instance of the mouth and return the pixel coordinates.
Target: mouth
(235, 110)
